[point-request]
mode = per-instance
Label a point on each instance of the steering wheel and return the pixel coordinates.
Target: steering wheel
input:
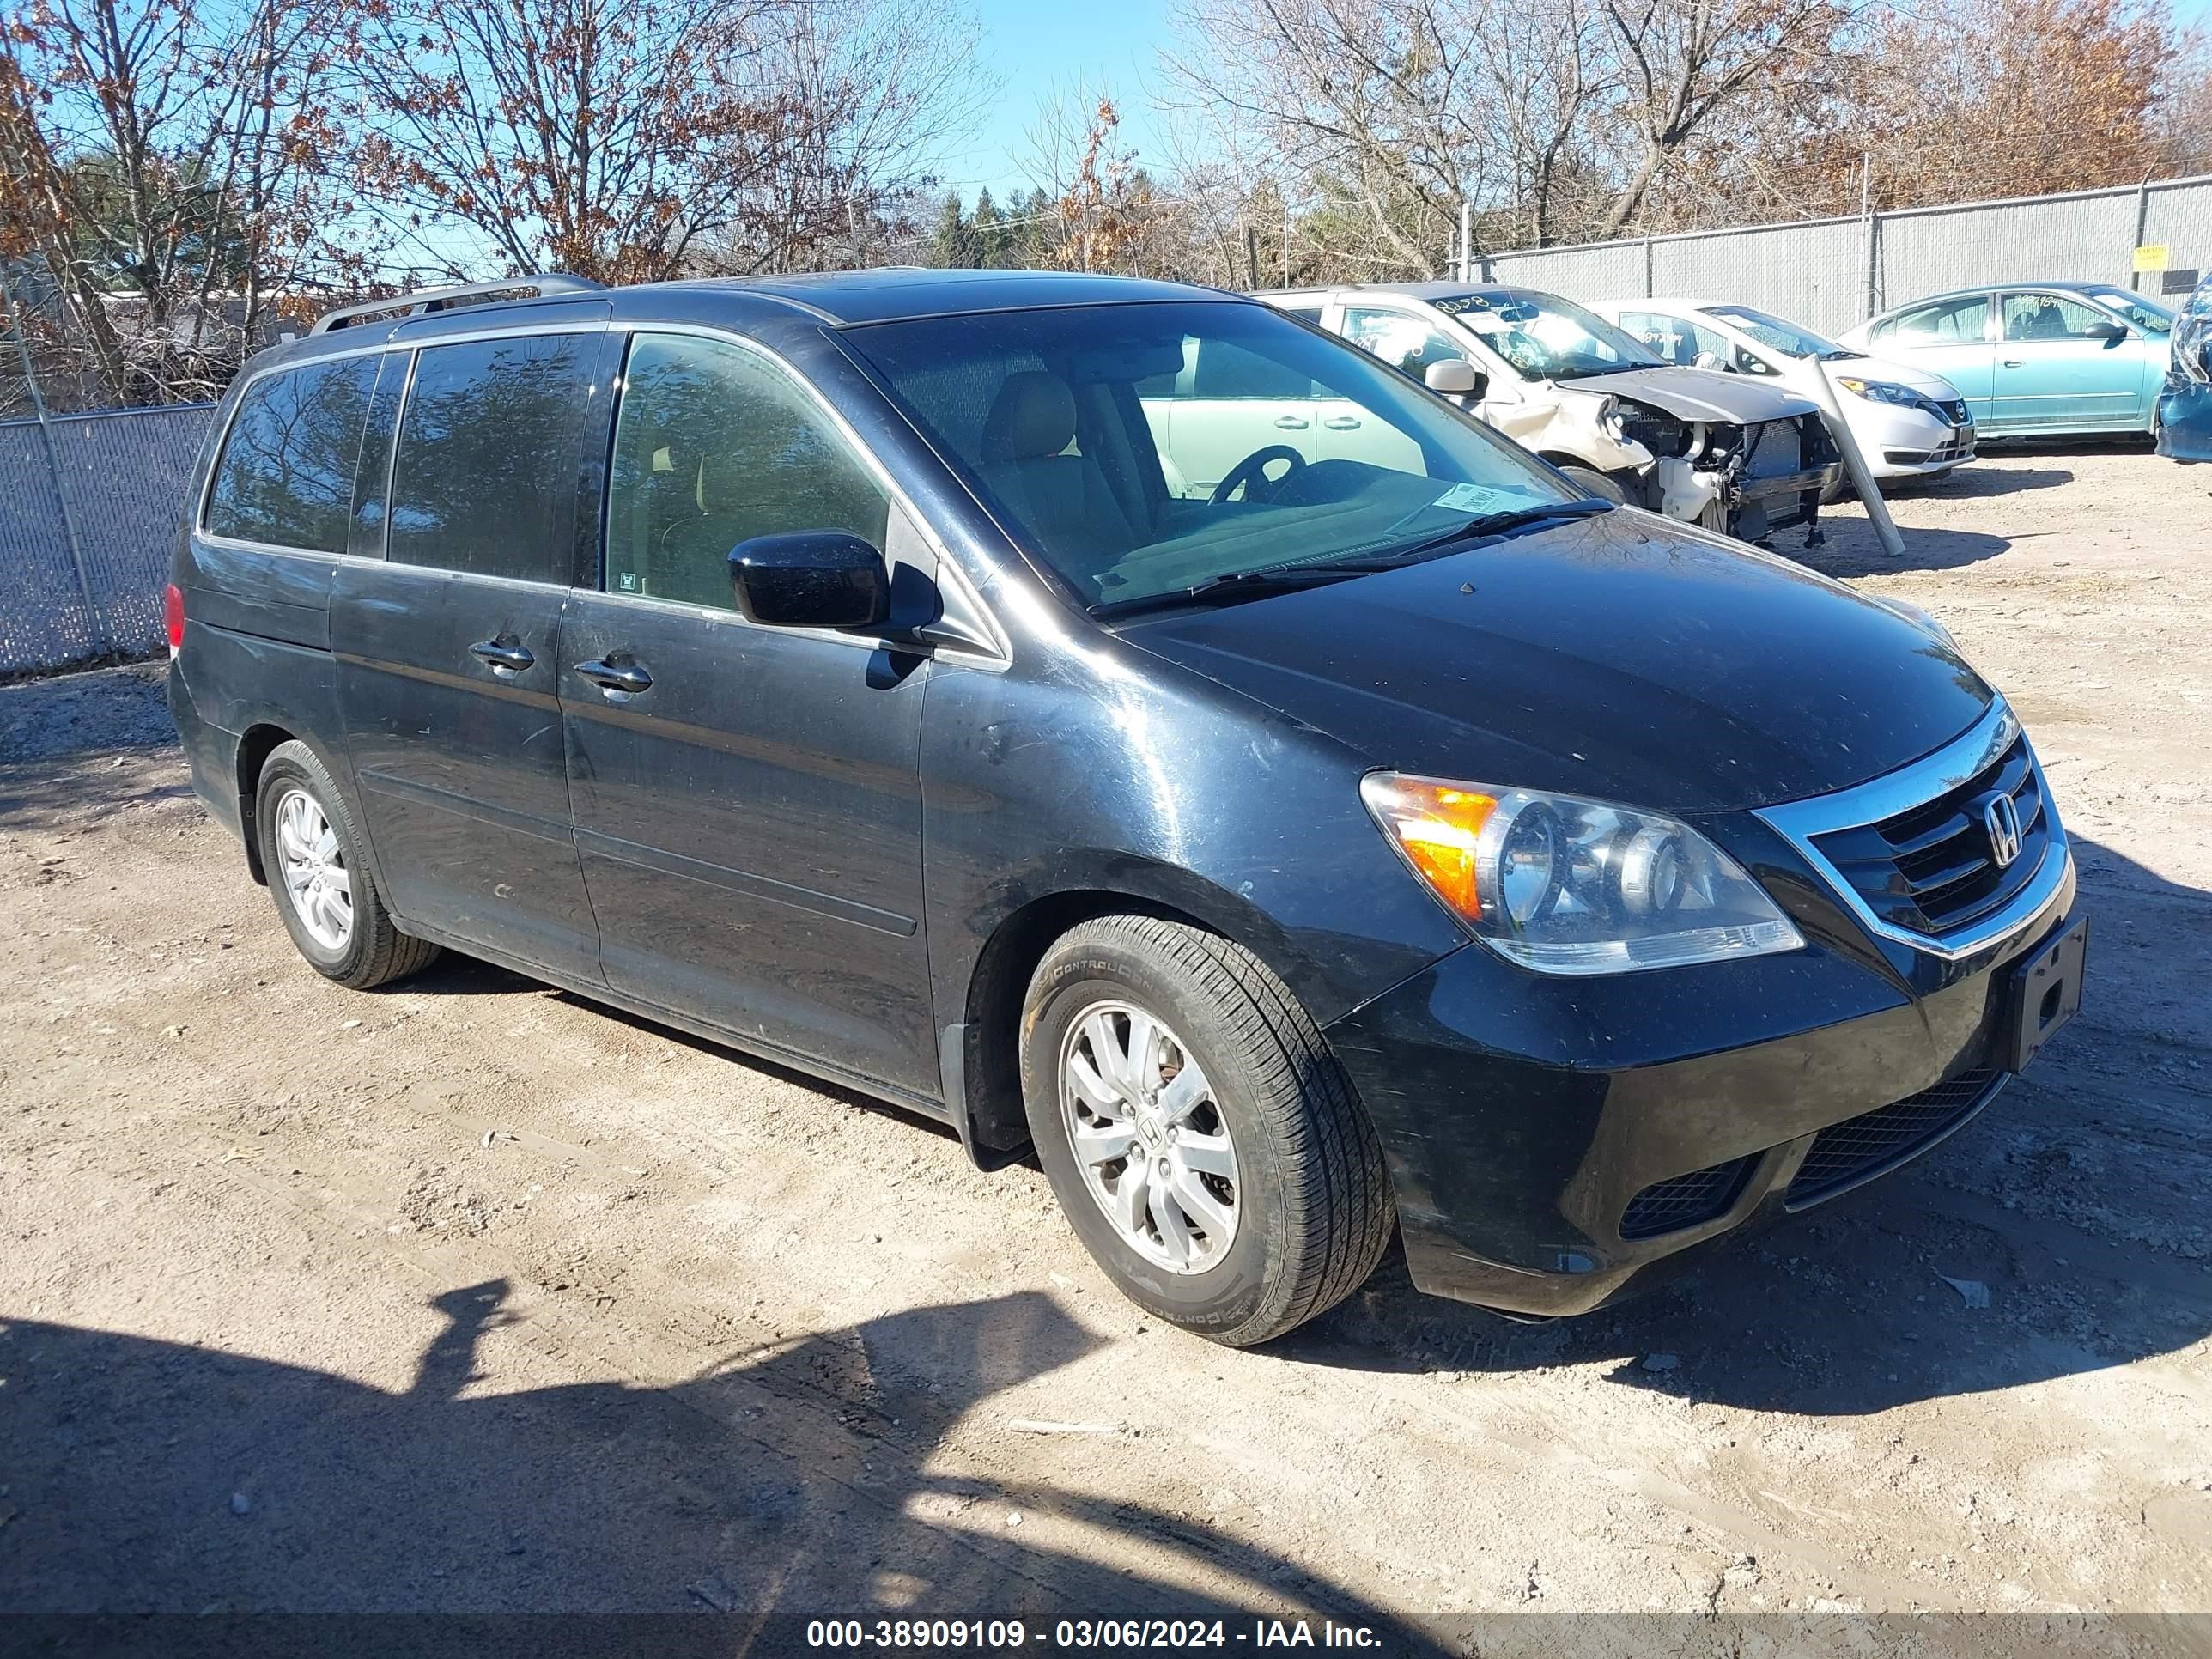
(1250, 473)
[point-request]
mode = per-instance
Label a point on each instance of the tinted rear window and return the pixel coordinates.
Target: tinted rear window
(485, 480)
(286, 474)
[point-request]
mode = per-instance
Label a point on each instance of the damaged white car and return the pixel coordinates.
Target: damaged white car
(1713, 449)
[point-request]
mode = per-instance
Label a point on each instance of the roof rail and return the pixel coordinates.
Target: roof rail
(443, 299)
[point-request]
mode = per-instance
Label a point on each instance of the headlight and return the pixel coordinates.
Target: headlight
(1881, 392)
(1611, 421)
(1564, 886)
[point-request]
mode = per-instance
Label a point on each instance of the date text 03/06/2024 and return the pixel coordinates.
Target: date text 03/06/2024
(1121, 1633)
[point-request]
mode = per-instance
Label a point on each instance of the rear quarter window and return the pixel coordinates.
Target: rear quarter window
(285, 475)
(484, 473)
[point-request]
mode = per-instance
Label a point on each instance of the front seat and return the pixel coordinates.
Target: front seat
(1065, 500)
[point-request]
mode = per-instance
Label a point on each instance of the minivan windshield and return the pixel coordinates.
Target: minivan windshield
(1152, 449)
(1776, 335)
(1545, 337)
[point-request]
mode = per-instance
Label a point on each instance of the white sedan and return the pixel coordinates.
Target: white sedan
(1908, 422)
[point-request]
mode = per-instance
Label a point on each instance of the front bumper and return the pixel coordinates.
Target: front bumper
(1547, 1137)
(1907, 443)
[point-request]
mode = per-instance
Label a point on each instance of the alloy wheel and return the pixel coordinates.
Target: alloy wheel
(313, 868)
(1149, 1137)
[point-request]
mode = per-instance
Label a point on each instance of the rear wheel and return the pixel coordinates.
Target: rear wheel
(310, 851)
(1204, 1143)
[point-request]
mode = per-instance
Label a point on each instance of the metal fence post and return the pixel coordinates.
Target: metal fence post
(100, 635)
(2143, 229)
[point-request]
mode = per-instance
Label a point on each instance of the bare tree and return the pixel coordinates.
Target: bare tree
(168, 171)
(632, 139)
(1681, 62)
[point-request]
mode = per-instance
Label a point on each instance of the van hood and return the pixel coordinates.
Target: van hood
(1617, 657)
(1700, 394)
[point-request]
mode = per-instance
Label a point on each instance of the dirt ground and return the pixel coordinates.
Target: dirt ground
(471, 1296)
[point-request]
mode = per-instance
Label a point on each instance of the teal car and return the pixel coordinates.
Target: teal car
(2036, 359)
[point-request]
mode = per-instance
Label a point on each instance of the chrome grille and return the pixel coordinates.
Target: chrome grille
(1932, 868)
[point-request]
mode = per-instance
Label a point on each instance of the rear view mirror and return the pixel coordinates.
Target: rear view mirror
(1456, 377)
(810, 579)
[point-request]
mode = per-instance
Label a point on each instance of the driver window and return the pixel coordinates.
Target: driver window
(712, 447)
(1405, 343)
(2047, 317)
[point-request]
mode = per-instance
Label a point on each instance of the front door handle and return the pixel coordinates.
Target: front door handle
(626, 677)
(505, 658)
(2012, 362)
(1341, 423)
(1291, 422)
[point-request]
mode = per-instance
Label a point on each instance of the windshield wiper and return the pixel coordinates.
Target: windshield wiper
(1504, 524)
(1234, 583)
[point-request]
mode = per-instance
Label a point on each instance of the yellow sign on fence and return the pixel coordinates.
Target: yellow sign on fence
(2152, 256)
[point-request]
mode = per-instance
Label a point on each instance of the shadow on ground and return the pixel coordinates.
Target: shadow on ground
(1853, 549)
(146, 1476)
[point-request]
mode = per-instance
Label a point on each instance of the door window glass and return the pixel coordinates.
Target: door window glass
(1405, 343)
(1947, 322)
(1227, 370)
(2047, 317)
(713, 446)
(485, 480)
(286, 474)
(1682, 342)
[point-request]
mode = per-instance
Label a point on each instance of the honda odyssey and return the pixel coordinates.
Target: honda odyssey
(849, 670)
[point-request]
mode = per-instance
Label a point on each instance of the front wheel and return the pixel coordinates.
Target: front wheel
(1204, 1143)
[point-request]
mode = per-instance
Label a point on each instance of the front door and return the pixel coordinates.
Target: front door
(2053, 375)
(748, 804)
(449, 651)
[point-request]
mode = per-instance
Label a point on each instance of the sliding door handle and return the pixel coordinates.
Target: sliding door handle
(626, 676)
(502, 656)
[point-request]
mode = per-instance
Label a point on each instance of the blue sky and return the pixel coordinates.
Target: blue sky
(1033, 44)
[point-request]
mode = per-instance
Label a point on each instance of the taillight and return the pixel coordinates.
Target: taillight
(172, 614)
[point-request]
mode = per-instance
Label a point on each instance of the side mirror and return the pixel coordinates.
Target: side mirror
(2111, 332)
(1456, 377)
(1712, 359)
(810, 579)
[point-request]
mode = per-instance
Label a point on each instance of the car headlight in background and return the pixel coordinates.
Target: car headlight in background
(1887, 391)
(1564, 886)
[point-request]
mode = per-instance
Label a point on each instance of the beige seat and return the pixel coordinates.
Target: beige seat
(1065, 499)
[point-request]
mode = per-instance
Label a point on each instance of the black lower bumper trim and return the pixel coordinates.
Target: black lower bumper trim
(1848, 1154)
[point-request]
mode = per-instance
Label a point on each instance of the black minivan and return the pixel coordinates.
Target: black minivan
(925, 679)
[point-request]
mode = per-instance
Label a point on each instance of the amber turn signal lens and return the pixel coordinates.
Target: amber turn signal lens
(1437, 825)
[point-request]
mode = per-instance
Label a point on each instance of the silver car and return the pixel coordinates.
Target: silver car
(1713, 449)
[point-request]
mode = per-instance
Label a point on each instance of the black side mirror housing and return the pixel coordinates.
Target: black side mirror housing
(2111, 333)
(810, 579)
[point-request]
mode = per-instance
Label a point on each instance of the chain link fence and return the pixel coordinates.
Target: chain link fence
(1832, 274)
(89, 510)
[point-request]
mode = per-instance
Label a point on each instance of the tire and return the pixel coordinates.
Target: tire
(1310, 1197)
(369, 950)
(1591, 481)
